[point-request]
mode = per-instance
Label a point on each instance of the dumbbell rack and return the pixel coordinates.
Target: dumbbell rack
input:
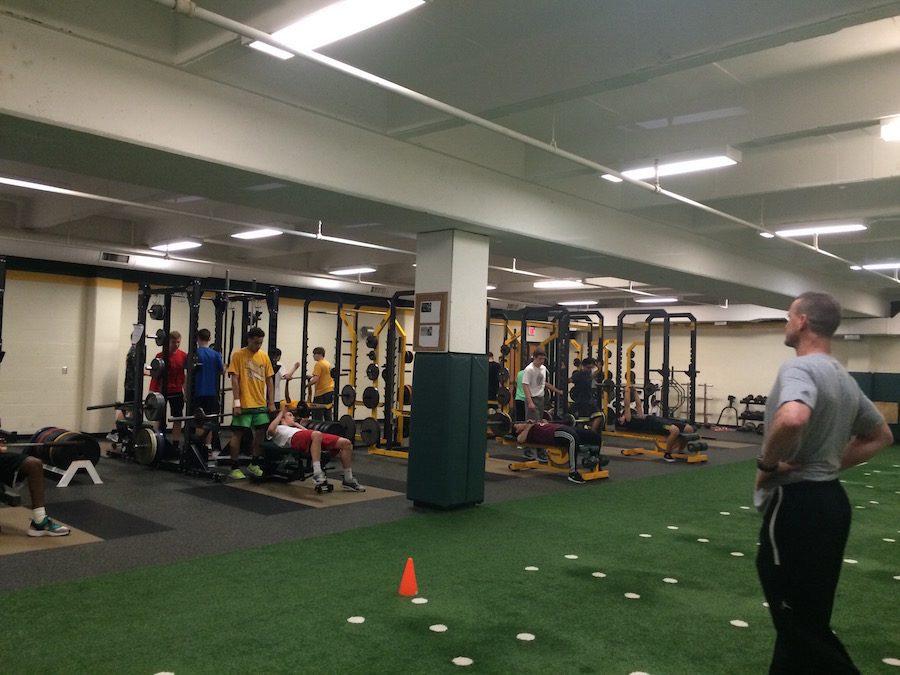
(753, 420)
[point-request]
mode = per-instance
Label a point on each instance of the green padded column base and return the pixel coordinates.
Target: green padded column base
(447, 434)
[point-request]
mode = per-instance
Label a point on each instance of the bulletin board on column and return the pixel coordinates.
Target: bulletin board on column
(431, 322)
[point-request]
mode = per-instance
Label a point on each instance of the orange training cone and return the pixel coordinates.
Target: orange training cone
(408, 585)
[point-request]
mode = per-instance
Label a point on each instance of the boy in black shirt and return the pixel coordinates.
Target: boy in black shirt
(582, 394)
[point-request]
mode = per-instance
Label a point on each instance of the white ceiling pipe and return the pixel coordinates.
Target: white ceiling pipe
(190, 9)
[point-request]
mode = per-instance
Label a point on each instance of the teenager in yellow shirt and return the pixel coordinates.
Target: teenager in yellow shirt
(252, 383)
(324, 385)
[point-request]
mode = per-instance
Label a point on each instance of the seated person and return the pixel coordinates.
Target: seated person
(633, 419)
(13, 464)
(285, 432)
(550, 434)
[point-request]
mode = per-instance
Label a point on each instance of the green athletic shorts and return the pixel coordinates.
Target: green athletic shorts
(251, 418)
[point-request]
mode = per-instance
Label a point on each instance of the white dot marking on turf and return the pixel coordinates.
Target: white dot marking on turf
(632, 596)
(737, 623)
(889, 540)
(165, 673)
(462, 661)
(525, 637)
(766, 605)
(671, 527)
(645, 535)
(638, 672)
(745, 508)
(670, 580)
(599, 575)
(850, 561)
(897, 577)
(891, 662)
(867, 474)
(356, 619)
(438, 628)
(703, 541)
(876, 470)
(531, 568)
(724, 513)
(571, 556)
(419, 601)
(871, 487)
(872, 501)
(737, 554)
(861, 508)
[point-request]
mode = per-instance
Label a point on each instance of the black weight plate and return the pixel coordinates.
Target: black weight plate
(568, 419)
(408, 356)
(372, 342)
(160, 337)
(503, 396)
(348, 425)
(372, 372)
(154, 406)
(384, 373)
(499, 424)
(157, 312)
(503, 374)
(504, 349)
(348, 395)
(371, 398)
(407, 394)
(333, 372)
(369, 431)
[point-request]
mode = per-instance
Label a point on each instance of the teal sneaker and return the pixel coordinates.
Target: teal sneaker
(47, 528)
(236, 474)
(255, 470)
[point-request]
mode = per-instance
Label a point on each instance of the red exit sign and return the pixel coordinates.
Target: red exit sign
(531, 331)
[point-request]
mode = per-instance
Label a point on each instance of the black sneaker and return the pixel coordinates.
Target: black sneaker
(542, 456)
(575, 477)
(352, 486)
(47, 528)
(668, 458)
(530, 454)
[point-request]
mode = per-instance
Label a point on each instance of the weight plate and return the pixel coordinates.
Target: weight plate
(371, 398)
(372, 372)
(503, 374)
(503, 396)
(369, 431)
(407, 394)
(156, 368)
(384, 373)
(499, 424)
(408, 356)
(349, 427)
(504, 349)
(348, 395)
(154, 406)
(157, 312)
(372, 356)
(160, 337)
(147, 446)
(372, 342)
(333, 372)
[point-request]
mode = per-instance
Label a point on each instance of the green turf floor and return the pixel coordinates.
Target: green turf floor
(285, 607)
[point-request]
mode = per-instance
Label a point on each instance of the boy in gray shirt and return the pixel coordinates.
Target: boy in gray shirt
(818, 423)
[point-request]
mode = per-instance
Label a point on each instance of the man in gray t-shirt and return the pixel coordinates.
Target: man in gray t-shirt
(818, 422)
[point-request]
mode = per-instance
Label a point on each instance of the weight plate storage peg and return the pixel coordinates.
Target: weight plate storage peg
(371, 398)
(372, 372)
(348, 395)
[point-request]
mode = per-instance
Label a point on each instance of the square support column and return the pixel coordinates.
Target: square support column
(449, 404)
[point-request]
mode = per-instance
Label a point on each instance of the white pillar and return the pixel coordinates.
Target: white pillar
(103, 363)
(456, 262)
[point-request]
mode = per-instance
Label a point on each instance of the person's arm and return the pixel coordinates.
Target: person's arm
(270, 393)
(236, 392)
(528, 402)
(523, 435)
(274, 424)
(287, 390)
(782, 440)
(863, 447)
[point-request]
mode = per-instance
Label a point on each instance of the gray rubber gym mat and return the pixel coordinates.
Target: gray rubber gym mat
(382, 482)
(103, 521)
(244, 500)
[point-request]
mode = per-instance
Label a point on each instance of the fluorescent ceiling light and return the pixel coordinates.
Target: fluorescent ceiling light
(349, 271)
(335, 22)
(574, 303)
(766, 235)
(656, 301)
(179, 245)
(675, 168)
(491, 288)
(821, 229)
(326, 283)
(890, 129)
(883, 266)
(257, 234)
(559, 283)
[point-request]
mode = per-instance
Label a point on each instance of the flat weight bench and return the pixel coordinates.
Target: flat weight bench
(287, 464)
(592, 462)
(695, 448)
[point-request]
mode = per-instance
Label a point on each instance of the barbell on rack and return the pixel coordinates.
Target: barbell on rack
(153, 407)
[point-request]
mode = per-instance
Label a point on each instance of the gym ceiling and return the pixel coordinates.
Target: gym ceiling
(796, 91)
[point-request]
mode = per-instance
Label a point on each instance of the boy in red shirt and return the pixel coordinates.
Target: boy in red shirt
(175, 369)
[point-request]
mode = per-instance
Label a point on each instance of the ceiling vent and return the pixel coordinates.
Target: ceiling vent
(106, 256)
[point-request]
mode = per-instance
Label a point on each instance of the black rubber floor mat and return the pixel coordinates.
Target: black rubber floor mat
(381, 482)
(245, 500)
(101, 520)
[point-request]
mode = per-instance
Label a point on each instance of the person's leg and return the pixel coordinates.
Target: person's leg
(344, 449)
(315, 453)
(801, 550)
(567, 438)
(32, 469)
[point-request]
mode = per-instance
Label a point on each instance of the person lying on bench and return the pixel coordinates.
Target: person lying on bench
(548, 434)
(633, 419)
(13, 465)
(286, 432)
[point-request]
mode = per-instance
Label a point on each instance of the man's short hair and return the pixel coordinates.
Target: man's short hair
(174, 335)
(256, 332)
(588, 361)
(822, 312)
(319, 350)
(538, 352)
(204, 335)
(275, 354)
